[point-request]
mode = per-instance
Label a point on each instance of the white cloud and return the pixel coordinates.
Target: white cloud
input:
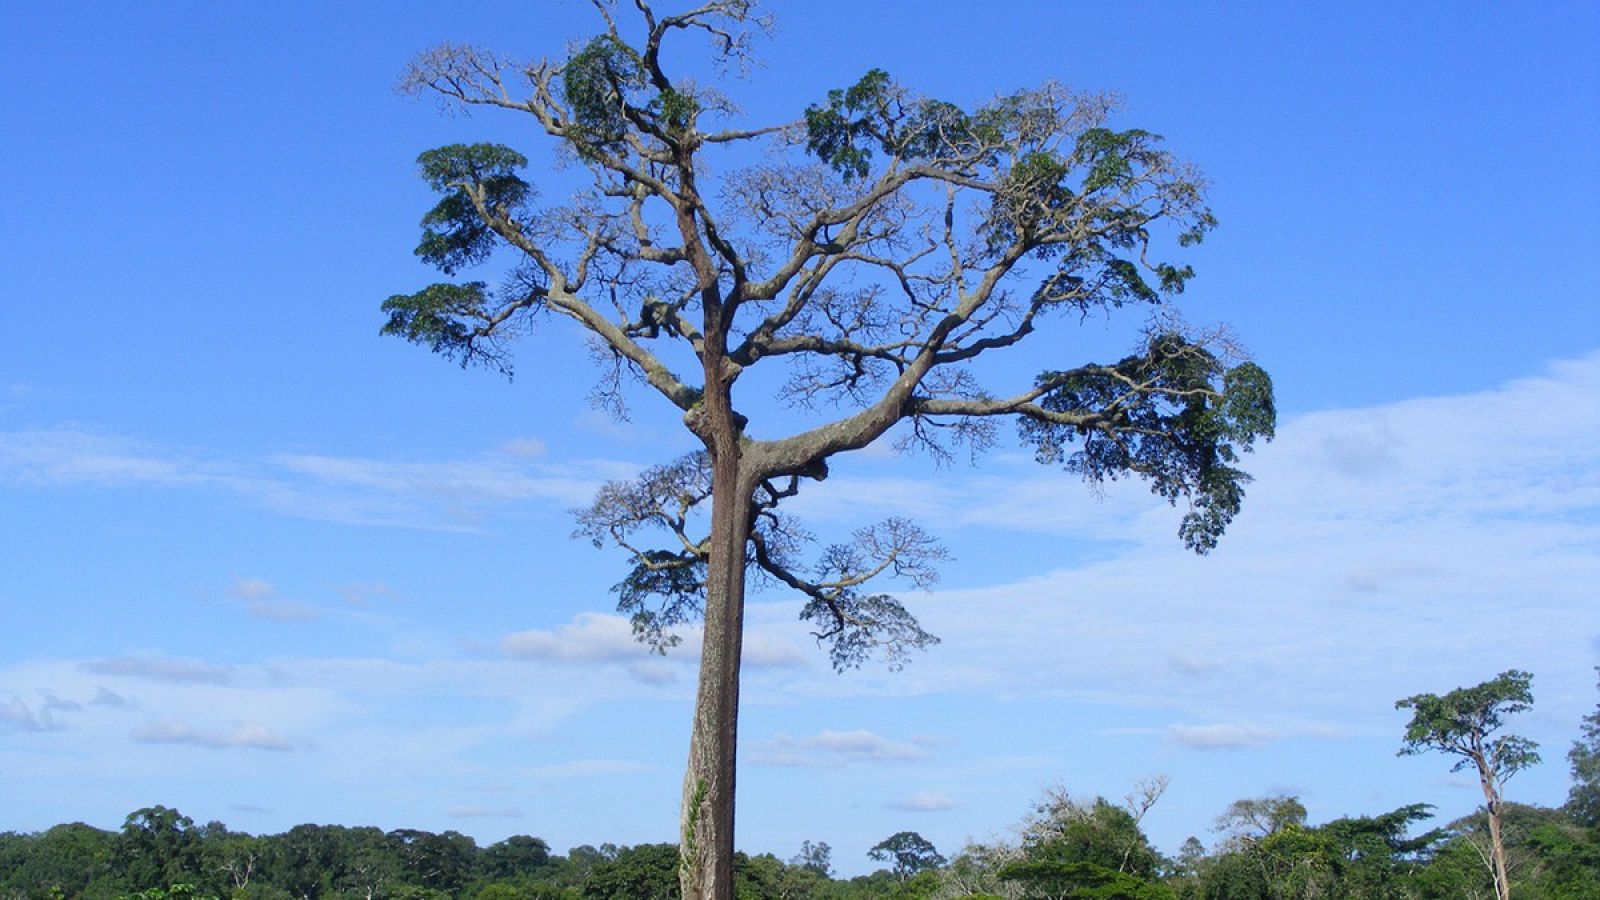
(46, 457)
(445, 495)
(262, 601)
(244, 736)
(924, 801)
(474, 811)
(365, 594)
(655, 671)
(160, 669)
(1219, 736)
(591, 637)
(764, 650)
(253, 589)
(832, 749)
(589, 768)
(524, 448)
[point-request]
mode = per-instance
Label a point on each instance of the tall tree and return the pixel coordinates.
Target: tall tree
(1463, 723)
(909, 852)
(1584, 799)
(886, 244)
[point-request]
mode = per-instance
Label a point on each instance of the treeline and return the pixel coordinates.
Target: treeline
(1066, 848)
(1095, 849)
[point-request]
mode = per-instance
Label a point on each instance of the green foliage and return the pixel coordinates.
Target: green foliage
(1565, 862)
(596, 83)
(67, 860)
(645, 872)
(1069, 850)
(438, 318)
(1100, 834)
(910, 853)
(442, 862)
(1461, 723)
(515, 856)
(470, 176)
(1058, 878)
(842, 132)
(158, 847)
(1182, 431)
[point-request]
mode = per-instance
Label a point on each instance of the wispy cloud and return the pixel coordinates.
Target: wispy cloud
(262, 601)
(924, 801)
(832, 749)
(448, 495)
(365, 594)
(589, 768)
(474, 811)
(104, 696)
(1221, 736)
(161, 669)
(18, 714)
(241, 737)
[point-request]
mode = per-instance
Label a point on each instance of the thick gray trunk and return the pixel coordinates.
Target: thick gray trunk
(706, 825)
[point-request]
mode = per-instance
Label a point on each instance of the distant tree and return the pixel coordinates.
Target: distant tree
(1375, 856)
(1094, 849)
(1100, 834)
(887, 244)
(518, 856)
(1259, 817)
(71, 859)
(442, 862)
(909, 852)
(976, 869)
(572, 869)
(817, 857)
(645, 872)
(1191, 854)
(305, 859)
(1463, 723)
(234, 858)
(1583, 801)
(158, 847)
(765, 877)
(1060, 879)
(369, 865)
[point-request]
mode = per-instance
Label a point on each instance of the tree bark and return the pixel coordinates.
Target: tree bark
(1497, 847)
(706, 852)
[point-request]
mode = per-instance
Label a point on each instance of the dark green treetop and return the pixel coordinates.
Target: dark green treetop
(1463, 723)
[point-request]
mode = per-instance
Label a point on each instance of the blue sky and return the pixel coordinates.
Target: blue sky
(260, 564)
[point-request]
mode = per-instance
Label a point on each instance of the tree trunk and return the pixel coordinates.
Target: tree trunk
(1497, 847)
(706, 825)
